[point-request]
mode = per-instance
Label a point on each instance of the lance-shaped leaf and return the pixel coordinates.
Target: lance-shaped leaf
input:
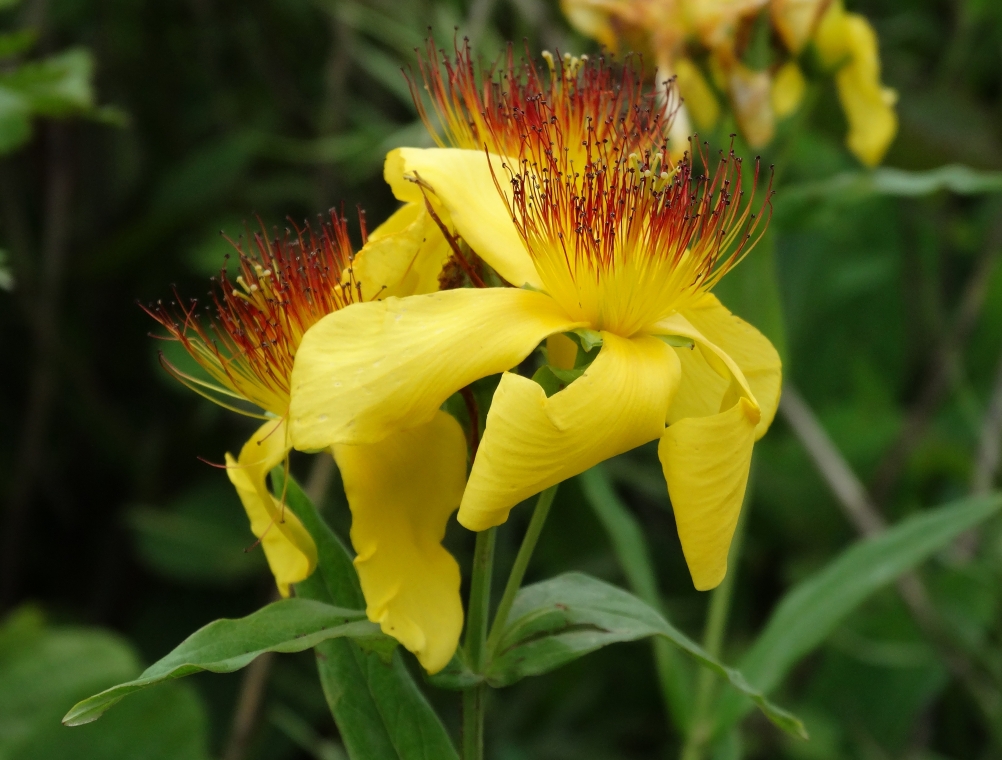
(380, 712)
(810, 612)
(627, 538)
(564, 618)
(223, 646)
(955, 178)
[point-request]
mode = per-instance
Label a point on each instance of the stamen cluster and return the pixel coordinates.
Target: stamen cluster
(282, 288)
(629, 239)
(581, 104)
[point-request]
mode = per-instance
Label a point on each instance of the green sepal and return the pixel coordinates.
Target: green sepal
(677, 341)
(586, 338)
(552, 379)
(548, 381)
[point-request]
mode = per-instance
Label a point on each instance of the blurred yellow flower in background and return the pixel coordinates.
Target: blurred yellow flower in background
(401, 489)
(761, 84)
(847, 43)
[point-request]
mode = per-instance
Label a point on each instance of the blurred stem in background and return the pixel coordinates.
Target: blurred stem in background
(859, 508)
(42, 310)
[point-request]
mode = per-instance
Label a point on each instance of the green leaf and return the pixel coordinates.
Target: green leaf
(954, 178)
(811, 611)
(627, 538)
(56, 86)
(43, 669)
(564, 618)
(15, 119)
(15, 43)
(380, 712)
(335, 580)
(290, 625)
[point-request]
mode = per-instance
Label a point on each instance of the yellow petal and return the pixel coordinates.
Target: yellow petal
(705, 462)
(788, 88)
(699, 98)
(795, 21)
(847, 40)
(532, 442)
(561, 351)
(374, 368)
(462, 182)
(288, 547)
(401, 492)
(703, 390)
(715, 358)
(403, 256)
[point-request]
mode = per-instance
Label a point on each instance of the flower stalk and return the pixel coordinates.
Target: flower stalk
(475, 697)
(518, 569)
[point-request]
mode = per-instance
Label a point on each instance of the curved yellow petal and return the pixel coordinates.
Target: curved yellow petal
(706, 462)
(703, 390)
(532, 442)
(401, 492)
(847, 40)
(403, 256)
(375, 368)
(462, 182)
(715, 357)
(288, 547)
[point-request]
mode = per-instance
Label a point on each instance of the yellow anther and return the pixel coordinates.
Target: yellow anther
(548, 57)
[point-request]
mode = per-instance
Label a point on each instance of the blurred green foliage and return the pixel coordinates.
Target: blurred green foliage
(883, 289)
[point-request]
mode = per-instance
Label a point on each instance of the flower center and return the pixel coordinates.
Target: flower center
(628, 242)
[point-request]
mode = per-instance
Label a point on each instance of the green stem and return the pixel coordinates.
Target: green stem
(476, 636)
(713, 640)
(518, 569)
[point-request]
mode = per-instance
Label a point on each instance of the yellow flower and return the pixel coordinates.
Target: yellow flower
(610, 239)
(401, 489)
(675, 32)
(848, 42)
